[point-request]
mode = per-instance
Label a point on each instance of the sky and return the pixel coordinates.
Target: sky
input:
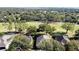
(39, 3)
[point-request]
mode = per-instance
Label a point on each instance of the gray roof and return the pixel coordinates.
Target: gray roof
(41, 38)
(29, 37)
(63, 39)
(2, 42)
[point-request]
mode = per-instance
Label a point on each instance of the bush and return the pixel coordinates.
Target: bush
(21, 42)
(42, 27)
(76, 36)
(31, 29)
(57, 46)
(1, 34)
(51, 45)
(68, 26)
(47, 28)
(72, 46)
(22, 26)
(46, 45)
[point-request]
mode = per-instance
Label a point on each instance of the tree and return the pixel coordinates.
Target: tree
(68, 26)
(10, 26)
(10, 22)
(45, 45)
(21, 42)
(31, 29)
(50, 45)
(73, 45)
(57, 46)
(42, 27)
(17, 22)
(76, 36)
(21, 26)
(47, 28)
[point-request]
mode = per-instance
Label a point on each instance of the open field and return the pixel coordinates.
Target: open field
(57, 25)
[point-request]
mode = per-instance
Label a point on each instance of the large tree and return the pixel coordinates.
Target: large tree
(47, 28)
(68, 26)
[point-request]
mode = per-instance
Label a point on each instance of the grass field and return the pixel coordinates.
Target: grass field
(57, 25)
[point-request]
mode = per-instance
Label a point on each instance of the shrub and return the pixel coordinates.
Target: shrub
(19, 26)
(1, 34)
(72, 46)
(31, 29)
(42, 27)
(47, 28)
(46, 45)
(57, 46)
(51, 45)
(76, 36)
(21, 42)
(68, 26)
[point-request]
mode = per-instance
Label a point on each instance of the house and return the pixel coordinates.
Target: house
(62, 38)
(2, 45)
(5, 40)
(41, 38)
(29, 38)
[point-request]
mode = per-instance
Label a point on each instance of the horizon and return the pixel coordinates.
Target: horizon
(39, 3)
(41, 7)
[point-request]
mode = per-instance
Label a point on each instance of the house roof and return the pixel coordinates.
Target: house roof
(29, 37)
(2, 43)
(43, 37)
(63, 39)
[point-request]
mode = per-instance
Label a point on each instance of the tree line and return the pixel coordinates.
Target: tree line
(39, 14)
